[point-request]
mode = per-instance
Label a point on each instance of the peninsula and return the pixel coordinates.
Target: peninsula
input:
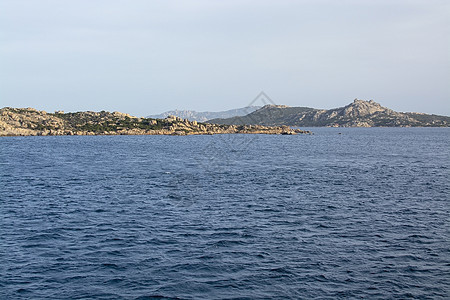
(29, 121)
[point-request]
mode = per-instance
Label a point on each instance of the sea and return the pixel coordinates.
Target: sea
(343, 213)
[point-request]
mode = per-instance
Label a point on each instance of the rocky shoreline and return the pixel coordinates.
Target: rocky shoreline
(32, 122)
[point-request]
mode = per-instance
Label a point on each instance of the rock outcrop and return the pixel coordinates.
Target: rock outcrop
(360, 113)
(29, 121)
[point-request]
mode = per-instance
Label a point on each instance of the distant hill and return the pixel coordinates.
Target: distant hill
(192, 115)
(360, 113)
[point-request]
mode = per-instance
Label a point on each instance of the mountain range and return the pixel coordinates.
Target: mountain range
(192, 115)
(360, 113)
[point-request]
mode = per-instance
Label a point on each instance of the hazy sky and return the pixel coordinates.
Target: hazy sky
(144, 57)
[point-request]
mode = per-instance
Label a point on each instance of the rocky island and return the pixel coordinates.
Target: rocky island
(360, 113)
(29, 121)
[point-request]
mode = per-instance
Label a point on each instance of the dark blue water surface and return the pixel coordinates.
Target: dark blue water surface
(362, 214)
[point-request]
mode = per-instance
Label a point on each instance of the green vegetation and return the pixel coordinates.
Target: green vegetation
(107, 122)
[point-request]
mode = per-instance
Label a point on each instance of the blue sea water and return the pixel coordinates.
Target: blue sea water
(344, 213)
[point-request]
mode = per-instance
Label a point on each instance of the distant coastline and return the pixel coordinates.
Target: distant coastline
(204, 116)
(270, 119)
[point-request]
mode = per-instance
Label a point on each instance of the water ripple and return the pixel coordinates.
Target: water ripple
(359, 215)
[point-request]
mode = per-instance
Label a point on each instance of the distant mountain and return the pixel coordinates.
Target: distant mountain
(206, 115)
(360, 113)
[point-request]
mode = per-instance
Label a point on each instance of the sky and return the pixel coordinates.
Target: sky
(145, 57)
